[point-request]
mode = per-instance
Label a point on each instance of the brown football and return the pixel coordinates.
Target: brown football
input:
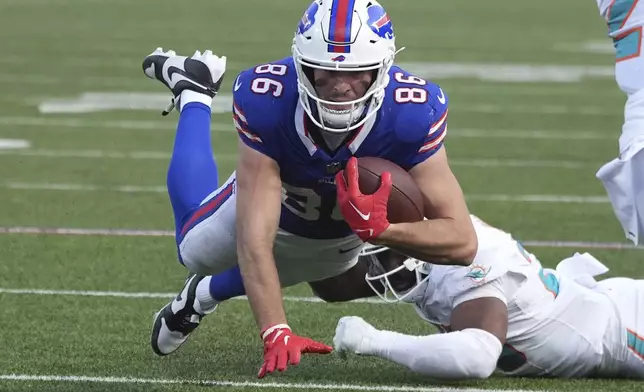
(405, 201)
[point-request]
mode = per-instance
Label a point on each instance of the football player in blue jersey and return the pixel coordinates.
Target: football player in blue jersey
(280, 219)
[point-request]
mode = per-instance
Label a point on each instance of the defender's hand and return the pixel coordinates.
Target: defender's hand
(365, 214)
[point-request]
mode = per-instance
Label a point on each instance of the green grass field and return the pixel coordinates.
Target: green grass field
(76, 309)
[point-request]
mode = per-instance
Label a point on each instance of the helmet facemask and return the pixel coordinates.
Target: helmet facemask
(398, 276)
(360, 109)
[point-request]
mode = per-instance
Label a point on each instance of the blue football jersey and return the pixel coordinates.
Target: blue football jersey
(409, 128)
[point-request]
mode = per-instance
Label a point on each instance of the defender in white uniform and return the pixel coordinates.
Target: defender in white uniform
(623, 176)
(509, 312)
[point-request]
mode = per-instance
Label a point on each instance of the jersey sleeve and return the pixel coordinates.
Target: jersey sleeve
(421, 127)
(255, 116)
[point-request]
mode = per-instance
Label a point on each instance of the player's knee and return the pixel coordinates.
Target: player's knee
(337, 289)
(198, 268)
(196, 264)
(205, 257)
(329, 295)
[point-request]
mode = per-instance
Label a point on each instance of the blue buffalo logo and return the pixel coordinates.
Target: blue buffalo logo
(308, 19)
(379, 22)
(339, 58)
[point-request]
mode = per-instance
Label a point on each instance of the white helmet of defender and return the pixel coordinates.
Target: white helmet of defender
(378, 273)
(343, 35)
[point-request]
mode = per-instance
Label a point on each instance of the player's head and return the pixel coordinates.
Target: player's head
(393, 276)
(343, 50)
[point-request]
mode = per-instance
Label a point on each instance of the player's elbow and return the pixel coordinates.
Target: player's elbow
(464, 243)
(467, 251)
(464, 251)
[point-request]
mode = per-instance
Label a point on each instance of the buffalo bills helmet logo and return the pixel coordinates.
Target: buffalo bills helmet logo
(379, 22)
(308, 19)
(339, 58)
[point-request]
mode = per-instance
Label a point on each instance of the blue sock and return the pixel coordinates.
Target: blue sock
(192, 174)
(227, 285)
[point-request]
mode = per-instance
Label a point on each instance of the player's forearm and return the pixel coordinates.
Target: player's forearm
(467, 354)
(256, 232)
(259, 192)
(439, 241)
(262, 285)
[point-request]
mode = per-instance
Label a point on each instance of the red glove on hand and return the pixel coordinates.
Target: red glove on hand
(281, 346)
(365, 214)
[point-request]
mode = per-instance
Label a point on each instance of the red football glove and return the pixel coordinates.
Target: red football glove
(281, 346)
(365, 214)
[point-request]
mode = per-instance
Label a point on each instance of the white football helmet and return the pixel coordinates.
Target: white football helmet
(343, 35)
(379, 273)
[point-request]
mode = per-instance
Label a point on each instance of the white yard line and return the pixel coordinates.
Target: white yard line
(49, 123)
(82, 80)
(522, 163)
(239, 384)
(485, 71)
(100, 154)
(133, 295)
(92, 232)
(508, 72)
(596, 47)
(92, 154)
(530, 90)
(161, 155)
(538, 109)
(45, 124)
(82, 187)
(530, 134)
(46, 186)
(540, 198)
(13, 144)
(169, 233)
(89, 102)
(87, 62)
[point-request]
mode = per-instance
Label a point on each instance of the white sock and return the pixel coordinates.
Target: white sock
(188, 96)
(205, 302)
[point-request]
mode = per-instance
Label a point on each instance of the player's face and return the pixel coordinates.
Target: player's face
(341, 86)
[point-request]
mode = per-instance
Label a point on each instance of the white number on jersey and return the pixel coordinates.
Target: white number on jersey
(305, 203)
(264, 85)
(410, 94)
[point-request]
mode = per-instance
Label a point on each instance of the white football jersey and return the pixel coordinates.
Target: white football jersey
(556, 326)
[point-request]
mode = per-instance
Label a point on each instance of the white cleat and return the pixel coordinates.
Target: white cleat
(201, 73)
(177, 320)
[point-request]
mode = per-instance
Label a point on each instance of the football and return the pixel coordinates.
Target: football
(405, 201)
